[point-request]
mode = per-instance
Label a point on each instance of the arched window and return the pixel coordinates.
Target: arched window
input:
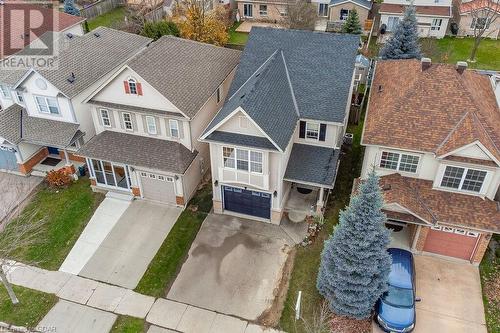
(132, 86)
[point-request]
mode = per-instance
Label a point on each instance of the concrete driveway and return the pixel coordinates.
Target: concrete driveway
(234, 267)
(451, 297)
(15, 189)
(125, 253)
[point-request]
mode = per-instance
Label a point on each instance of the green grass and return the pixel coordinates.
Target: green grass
(168, 260)
(235, 37)
(33, 306)
(490, 272)
(66, 212)
(109, 19)
(126, 324)
(307, 259)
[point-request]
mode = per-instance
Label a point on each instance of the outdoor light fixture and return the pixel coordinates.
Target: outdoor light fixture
(176, 177)
(216, 183)
(275, 194)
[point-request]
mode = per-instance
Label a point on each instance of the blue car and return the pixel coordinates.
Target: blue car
(396, 308)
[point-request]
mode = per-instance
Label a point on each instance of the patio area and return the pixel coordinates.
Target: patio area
(246, 26)
(301, 203)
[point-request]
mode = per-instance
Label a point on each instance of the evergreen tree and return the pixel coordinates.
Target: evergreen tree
(355, 264)
(403, 44)
(155, 30)
(352, 25)
(70, 8)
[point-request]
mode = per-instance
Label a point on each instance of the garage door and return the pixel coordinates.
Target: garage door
(158, 187)
(7, 159)
(247, 202)
(452, 242)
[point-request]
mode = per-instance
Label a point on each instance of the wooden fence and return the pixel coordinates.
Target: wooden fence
(100, 7)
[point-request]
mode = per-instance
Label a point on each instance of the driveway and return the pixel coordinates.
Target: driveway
(451, 297)
(234, 267)
(124, 254)
(15, 189)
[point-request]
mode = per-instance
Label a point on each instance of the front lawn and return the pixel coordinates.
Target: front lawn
(307, 259)
(490, 281)
(235, 37)
(67, 212)
(168, 260)
(126, 324)
(33, 306)
(110, 19)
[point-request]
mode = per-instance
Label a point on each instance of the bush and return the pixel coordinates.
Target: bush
(58, 178)
(155, 30)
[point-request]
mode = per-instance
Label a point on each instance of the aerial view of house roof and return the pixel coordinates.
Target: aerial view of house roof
(49, 20)
(443, 109)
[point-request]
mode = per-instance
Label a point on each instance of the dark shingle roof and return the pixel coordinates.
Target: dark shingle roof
(241, 139)
(16, 126)
(363, 3)
(186, 72)
(139, 151)
(88, 57)
(312, 164)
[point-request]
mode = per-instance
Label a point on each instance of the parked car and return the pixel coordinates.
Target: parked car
(396, 308)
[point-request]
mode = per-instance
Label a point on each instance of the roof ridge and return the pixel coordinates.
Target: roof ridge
(419, 199)
(484, 130)
(451, 132)
(291, 85)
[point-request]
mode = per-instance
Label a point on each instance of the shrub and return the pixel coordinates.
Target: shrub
(155, 30)
(58, 178)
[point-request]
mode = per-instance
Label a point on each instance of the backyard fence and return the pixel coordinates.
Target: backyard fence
(155, 15)
(100, 7)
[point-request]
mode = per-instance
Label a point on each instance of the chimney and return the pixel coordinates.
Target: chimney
(461, 66)
(426, 63)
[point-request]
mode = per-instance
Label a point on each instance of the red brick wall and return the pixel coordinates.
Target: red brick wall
(422, 236)
(27, 166)
(72, 157)
(482, 245)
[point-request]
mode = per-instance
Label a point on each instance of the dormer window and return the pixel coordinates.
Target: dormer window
(132, 87)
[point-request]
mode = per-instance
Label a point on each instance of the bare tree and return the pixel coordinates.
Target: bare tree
(137, 12)
(301, 14)
(484, 13)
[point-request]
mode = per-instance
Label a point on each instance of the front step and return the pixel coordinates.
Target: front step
(120, 196)
(38, 173)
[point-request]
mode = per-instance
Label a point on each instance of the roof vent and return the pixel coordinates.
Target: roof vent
(69, 35)
(97, 35)
(242, 96)
(380, 88)
(386, 187)
(461, 66)
(71, 78)
(426, 63)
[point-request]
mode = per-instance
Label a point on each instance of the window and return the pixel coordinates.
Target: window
(463, 178)
(312, 131)
(132, 86)
(400, 162)
(448, 229)
(229, 157)
(151, 124)
(323, 9)
(127, 121)
(480, 22)
(263, 10)
(106, 121)
(344, 13)
(283, 11)
(5, 92)
(472, 234)
(242, 159)
(436, 227)
(47, 105)
(392, 22)
(174, 128)
(219, 94)
(19, 96)
(436, 24)
(256, 161)
(459, 231)
(247, 10)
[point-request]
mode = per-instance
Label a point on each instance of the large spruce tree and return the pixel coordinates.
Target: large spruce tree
(352, 25)
(355, 263)
(403, 44)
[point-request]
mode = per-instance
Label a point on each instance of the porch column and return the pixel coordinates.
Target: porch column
(320, 203)
(66, 157)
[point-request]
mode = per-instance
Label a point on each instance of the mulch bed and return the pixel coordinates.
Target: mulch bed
(492, 286)
(342, 324)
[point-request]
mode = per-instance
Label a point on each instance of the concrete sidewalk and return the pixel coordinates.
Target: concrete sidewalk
(102, 222)
(164, 313)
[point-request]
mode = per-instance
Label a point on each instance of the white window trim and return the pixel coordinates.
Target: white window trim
(102, 117)
(5, 92)
(124, 166)
(176, 122)
(218, 94)
(46, 98)
(261, 12)
(459, 189)
(249, 151)
(435, 27)
(319, 130)
(399, 161)
(247, 4)
(130, 81)
(319, 9)
(126, 121)
(19, 97)
(348, 12)
(148, 119)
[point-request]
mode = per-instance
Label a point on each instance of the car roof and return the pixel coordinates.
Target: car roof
(401, 268)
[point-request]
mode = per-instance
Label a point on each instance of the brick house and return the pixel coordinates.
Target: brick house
(432, 133)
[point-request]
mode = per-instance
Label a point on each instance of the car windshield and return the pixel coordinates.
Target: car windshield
(399, 297)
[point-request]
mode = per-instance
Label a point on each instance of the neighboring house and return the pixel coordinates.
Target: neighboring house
(432, 133)
(279, 133)
(149, 115)
(45, 121)
(263, 10)
(338, 11)
(468, 23)
(432, 16)
(41, 20)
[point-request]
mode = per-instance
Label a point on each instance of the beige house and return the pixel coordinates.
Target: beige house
(338, 10)
(263, 11)
(468, 23)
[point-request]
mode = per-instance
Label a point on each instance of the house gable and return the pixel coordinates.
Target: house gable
(240, 123)
(473, 151)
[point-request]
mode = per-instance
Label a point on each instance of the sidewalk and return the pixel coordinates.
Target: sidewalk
(159, 312)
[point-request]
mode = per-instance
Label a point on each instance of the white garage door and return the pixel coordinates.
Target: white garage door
(158, 187)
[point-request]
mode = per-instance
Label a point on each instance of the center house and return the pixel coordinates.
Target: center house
(275, 144)
(149, 115)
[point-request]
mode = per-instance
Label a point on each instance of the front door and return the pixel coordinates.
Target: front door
(248, 10)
